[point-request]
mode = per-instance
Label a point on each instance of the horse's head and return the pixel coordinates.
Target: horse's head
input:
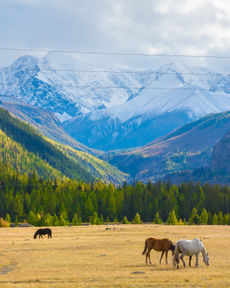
(35, 235)
(206, 259)
(172, 248)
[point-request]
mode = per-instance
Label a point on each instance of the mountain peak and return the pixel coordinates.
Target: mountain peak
(26, 61)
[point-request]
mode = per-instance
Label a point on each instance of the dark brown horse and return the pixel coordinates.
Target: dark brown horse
(163, 245)
(41, 232)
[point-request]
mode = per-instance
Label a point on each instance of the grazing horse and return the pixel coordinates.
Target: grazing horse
(163, 245)
(189, 248)
(41, 232)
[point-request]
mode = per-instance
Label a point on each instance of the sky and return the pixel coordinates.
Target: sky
(187, 27)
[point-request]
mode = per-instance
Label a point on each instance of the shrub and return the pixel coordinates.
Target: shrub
(137, 219)
(125, 220)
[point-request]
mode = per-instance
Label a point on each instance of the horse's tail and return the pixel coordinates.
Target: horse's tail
(50, 233)
(145, 249)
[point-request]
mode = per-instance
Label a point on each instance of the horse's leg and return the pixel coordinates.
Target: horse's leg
(161, 256)
(197, 259)
(190, 259)
(146, 258)
(181, 257)
(166, 257)
(148, 255)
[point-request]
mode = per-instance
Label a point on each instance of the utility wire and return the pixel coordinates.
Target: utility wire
(117, 87)
(111, 53)
(114, 71)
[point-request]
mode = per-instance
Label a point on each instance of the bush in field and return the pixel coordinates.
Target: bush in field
(180, 222)
(125, 220)
(137, 219)
(4, 223)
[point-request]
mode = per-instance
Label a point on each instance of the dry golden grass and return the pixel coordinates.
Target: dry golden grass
(90, 256)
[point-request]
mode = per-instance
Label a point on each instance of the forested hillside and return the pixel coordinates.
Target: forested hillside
(20, 160)
(27, 150)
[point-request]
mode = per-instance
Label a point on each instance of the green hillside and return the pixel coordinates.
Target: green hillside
(17, 158)
(26, 150)
(97, 167)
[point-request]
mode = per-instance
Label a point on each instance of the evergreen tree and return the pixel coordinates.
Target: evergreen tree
(180, 222)
(95, 220)
(125, 220)
(32, 219)
(55, 220)
(209, 218)
(194, 218)
(8, 218)
(204, 217)
(226, 219)
(101, 219)
(16, 221)
(75, 220)
(137, 219)
(220, 218)
(157, 219)
(215, 219)
(172, 219)
(47, 220)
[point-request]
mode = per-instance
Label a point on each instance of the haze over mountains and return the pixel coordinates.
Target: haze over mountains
(95, 109)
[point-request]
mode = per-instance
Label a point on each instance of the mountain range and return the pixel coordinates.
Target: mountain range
(113, 109)
(149, 123)
(188, 148)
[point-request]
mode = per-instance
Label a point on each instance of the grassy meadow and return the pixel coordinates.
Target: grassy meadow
(91, 256)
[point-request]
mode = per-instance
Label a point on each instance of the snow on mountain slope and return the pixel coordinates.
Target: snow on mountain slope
(115, 109)
(62, 86)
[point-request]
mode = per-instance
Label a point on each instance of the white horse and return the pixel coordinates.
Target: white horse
(189, 248)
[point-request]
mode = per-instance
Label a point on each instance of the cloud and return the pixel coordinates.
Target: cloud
(199, 27)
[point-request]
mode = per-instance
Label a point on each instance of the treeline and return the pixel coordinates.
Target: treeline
(62, 201)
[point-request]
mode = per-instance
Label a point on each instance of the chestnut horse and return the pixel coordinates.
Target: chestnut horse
(163, 245)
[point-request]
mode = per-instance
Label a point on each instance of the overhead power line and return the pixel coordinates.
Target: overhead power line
(114, 71)
(128, 88)
(111, 53)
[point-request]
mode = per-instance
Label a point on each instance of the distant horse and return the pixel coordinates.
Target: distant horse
(44, 231)
(163, 245)
(189, 248)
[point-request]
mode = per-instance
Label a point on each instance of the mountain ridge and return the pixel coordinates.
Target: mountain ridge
(106, 110)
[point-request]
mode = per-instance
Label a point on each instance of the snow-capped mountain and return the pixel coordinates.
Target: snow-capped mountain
(111, 109)
(65, 89)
